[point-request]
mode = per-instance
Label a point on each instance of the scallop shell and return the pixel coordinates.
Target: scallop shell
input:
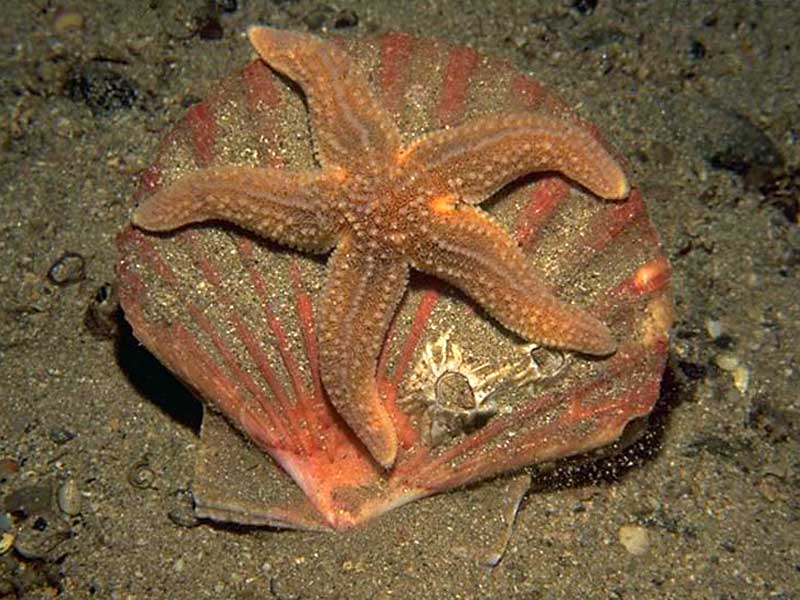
(234, 317)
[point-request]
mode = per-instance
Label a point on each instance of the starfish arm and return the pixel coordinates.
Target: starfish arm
(286, 207)
(361, 295)
(349, 125)
(480, 157)
(465, 247)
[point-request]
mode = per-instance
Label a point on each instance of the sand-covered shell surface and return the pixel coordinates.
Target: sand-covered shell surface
(236, 317)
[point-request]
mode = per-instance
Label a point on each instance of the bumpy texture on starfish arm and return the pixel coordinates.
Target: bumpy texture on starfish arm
(466, 248)
(349, 125)
(483, 155)
(385, 208)
(361, 296)
(288, 208)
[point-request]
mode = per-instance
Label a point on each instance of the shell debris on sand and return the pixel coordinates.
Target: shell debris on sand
(635, 539)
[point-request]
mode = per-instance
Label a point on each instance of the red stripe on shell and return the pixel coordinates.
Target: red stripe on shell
(263, 99)
(461, 64)
(201, 122)
(546, 195)
(396, 50)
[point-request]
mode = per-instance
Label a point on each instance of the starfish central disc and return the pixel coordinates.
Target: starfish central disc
(383, 208)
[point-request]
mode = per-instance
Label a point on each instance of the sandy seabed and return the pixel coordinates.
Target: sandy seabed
(702, 100)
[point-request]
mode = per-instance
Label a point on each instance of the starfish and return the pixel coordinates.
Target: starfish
(383, 207)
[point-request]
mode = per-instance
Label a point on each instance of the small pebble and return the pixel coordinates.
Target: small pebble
(726, 362)
(69, 268)
(67, 20)
(635, 539)
(741, 378)
(101, 316)
(714, 328)
(8, 467)
(6, 542)
(141, 476)
(103, 89)
(741, 374)
(183, 516)
(59, 435)
(69, 498)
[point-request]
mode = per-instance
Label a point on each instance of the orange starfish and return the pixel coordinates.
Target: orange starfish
(386, 207)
